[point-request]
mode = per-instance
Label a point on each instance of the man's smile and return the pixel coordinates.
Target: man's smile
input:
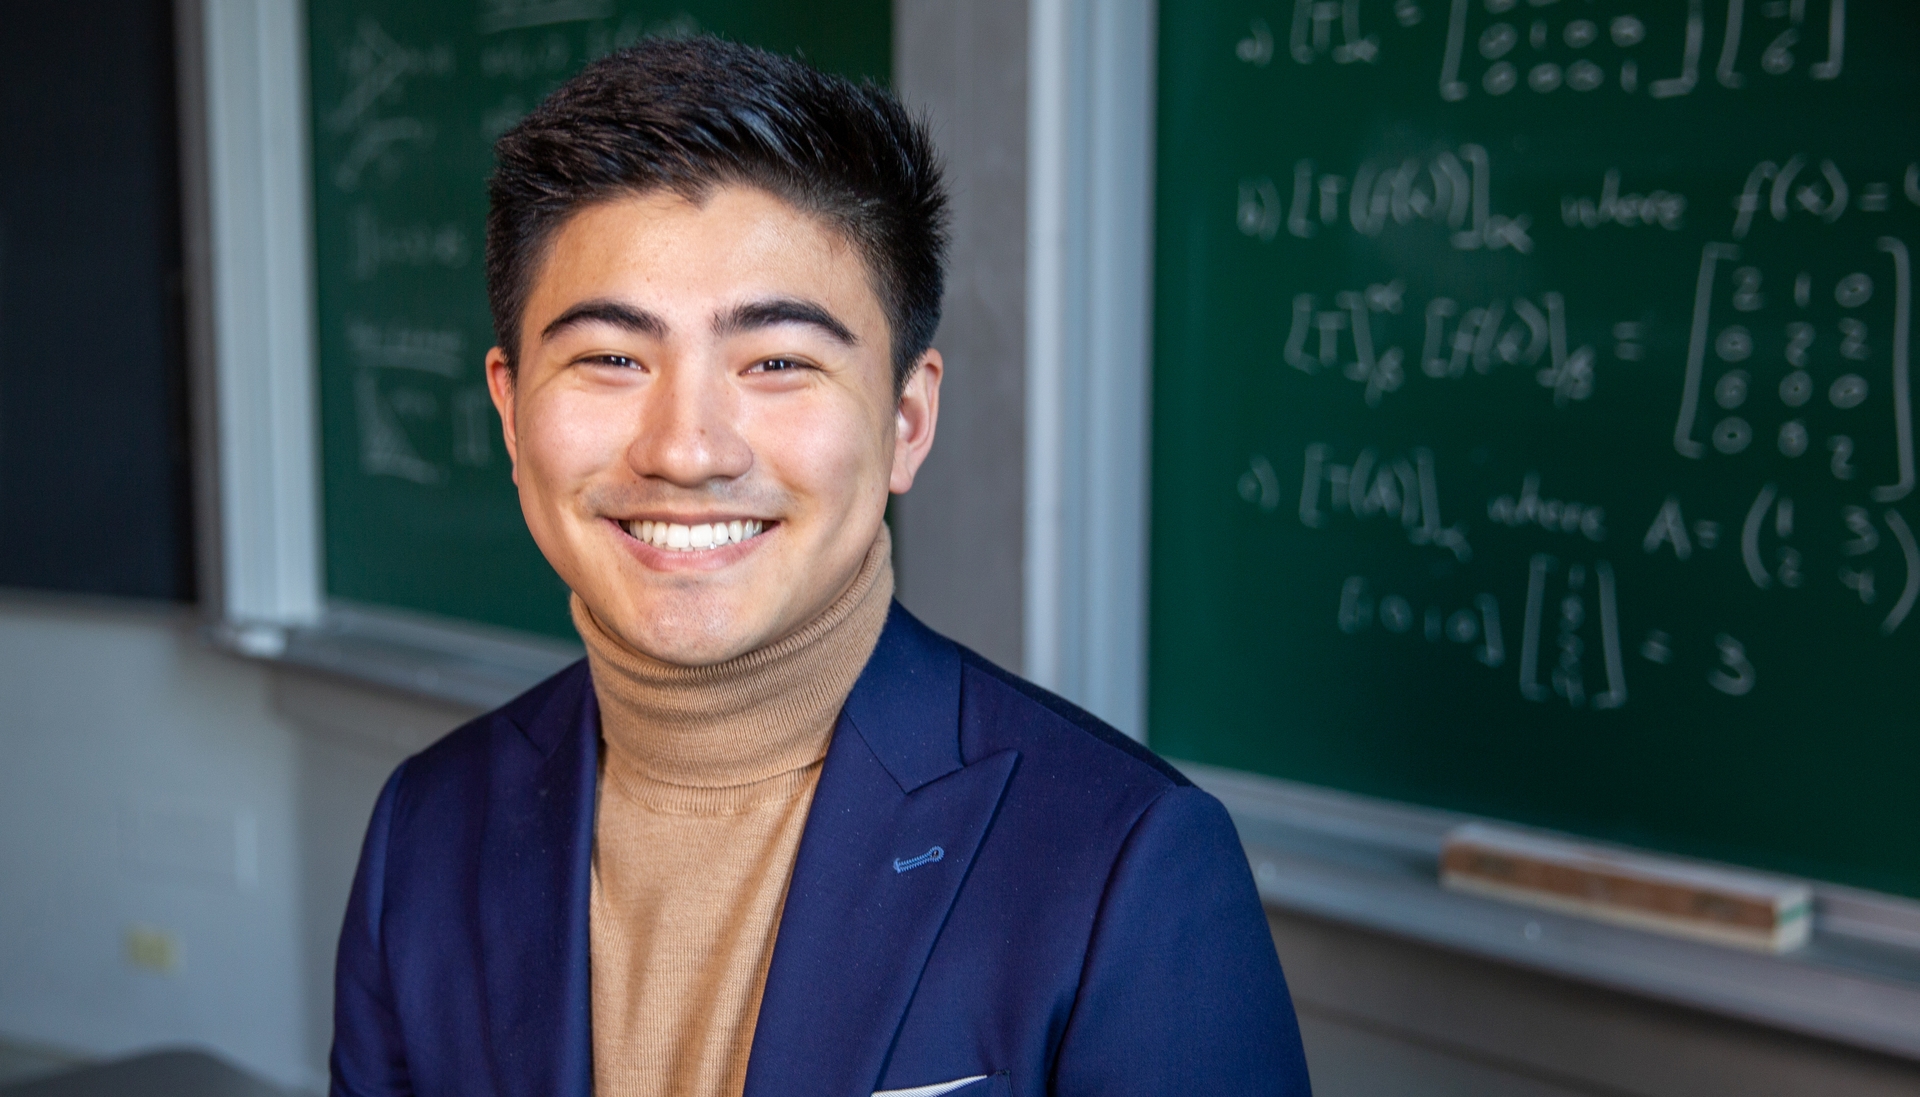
(693, 537)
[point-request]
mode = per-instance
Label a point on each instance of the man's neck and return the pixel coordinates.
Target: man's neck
(750, 718)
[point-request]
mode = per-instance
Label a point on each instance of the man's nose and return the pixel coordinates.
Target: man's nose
(689, 430)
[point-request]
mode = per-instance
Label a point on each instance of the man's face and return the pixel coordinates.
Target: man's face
(689, 375)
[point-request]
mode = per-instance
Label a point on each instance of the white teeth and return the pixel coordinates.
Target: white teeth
(679, 538)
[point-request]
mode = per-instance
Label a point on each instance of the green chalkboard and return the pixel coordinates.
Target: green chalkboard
(1532, 427)
(407, 99)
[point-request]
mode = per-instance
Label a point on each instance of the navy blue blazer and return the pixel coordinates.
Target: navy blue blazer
(992, 887)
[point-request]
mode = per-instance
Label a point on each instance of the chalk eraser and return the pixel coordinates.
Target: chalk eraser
(1645, 891)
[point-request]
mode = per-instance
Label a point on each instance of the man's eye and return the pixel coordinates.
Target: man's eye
(778, 365)
(617, 361)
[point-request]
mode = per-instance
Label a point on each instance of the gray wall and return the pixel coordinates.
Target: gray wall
(153, 784)
(960, 531)
(147, 783)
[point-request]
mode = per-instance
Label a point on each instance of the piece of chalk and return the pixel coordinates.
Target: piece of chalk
(1645, 891)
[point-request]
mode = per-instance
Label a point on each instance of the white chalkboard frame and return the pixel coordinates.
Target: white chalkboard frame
(1090, 124)
(250, 228)
(252, 255)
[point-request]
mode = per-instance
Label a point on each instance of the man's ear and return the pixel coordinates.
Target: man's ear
(500, 387)
(914, 417)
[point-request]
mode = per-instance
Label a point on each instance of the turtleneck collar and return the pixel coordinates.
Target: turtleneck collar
(754, 717)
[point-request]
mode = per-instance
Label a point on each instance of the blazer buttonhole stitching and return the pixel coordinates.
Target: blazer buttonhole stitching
(926, 858)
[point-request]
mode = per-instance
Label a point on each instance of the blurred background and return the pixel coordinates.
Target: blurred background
(1402, 414)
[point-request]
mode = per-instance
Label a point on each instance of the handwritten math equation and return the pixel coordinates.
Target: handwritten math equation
(1360, 338)
(1766, 364)
(1571, 646)
(1496, 48)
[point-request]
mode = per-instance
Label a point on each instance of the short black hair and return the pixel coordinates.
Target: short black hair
(690, 114)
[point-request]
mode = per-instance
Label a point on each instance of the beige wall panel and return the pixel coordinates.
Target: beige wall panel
(1361, 995)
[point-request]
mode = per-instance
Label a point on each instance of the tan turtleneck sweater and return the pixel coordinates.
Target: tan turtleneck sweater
(706, 779)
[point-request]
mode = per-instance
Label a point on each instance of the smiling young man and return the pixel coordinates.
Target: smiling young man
(772, 836)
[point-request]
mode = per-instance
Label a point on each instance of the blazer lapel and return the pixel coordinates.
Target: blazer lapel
(895, 824)
(534, 887)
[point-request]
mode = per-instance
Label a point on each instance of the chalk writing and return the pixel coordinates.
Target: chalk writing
(376, 245)
(1785, 567)
(1735, 675)
(1628, 211)
(408, 396)
(1452, 191)
(1499, 47)
(1475, 626)
(1329, 29)
(1454, 340)
(385, 449)
(1557, 633)
(1314, 339)
(1669, 531)
(1799, 187)
(429, 350)
(1552, 515)
(1260, 485)
(378, 69)
(1404, 488)
(1778, 33)
(1854, 361)
(1871, 557)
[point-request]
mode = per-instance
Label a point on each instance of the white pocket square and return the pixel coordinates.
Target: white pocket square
(934, 1090)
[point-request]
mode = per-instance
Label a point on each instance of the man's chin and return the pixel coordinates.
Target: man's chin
(691, 635)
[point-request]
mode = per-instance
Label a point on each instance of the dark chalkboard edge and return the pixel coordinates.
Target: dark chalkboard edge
(465, 664)
(1374, 864)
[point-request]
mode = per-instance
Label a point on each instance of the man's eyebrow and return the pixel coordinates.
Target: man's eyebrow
(607, 312)
(782, 310)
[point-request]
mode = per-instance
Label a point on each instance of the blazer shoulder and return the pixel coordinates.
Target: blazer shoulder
(1027, 717)
(537, 719)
